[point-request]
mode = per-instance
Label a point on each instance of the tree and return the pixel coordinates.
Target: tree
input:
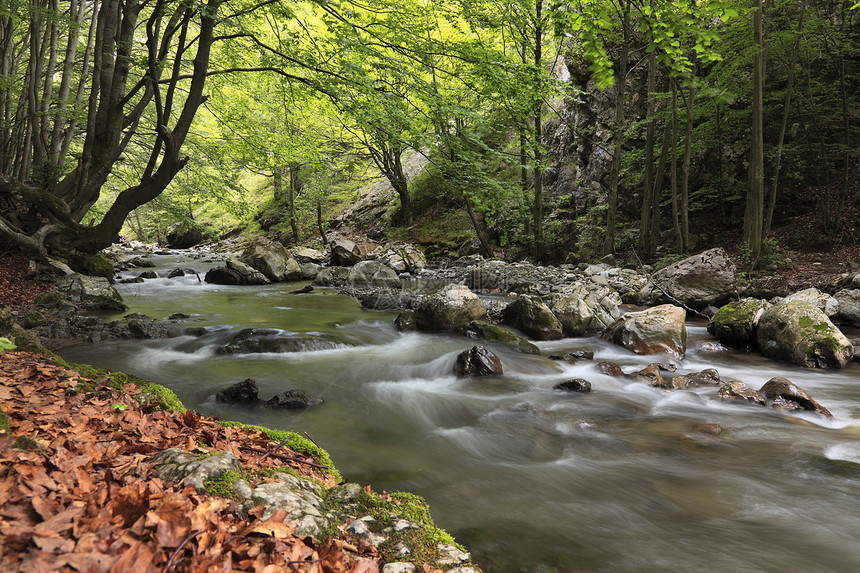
(142, 74)
(754, 216)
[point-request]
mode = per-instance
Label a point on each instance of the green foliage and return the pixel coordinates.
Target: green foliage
(6, 344)
(771, 256)
(669, 259)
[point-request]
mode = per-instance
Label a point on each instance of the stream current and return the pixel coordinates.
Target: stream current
(622, 479)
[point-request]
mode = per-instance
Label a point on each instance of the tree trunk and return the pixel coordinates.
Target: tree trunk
(538, 134)
(320, 224)
(685, 181)
(295, 189)
(618, 135)
(754, 216)
(645, 237)
(676, 222)
(486, 249)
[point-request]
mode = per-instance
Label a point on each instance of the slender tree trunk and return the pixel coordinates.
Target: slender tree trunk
(645, 237)
(618, 136)
(846, 129)
(320, 224)
(786, 106)
(676, 222)
(754, 217)
(295, 189)
(478, 226)
(538, 134)
(685, 181)
(657, 188)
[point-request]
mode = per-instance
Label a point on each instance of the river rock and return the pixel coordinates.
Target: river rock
(575, 385)
(785, 395)
(178, 466)
(482, 279)
(610, 369)
(849, 306)
(769, 287)
(92, 293)
(248, 275)
(651, 331)
(293, 400)
(184, 237)
(735, 323)
(585, 307)
(300, 498)
(373, 274)
(403, 258)
(307, 255)
(652, 375)
(310, 271)
(92, 265)
(801, 333)
(501, 335)
(452, 308)
(332, 276)
(477, 361)
(272, 260)
(707, 377)
(244, 392)
(345, 253)
(405, 321)
(529, 314)
(737, 390)
(261, 340)
(707, 278)
(826, 303)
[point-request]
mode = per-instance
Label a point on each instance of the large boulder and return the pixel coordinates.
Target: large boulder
(90, 292)
(849, 306)
(92, 265)
(401, 258)
(660, 329)
(501, 335)
(586, 306)
(345, 253)
(184, 237)
(826, 303)
(244, 392)
(262, 340)
(271, 259)
(735, 323)
(452, 308)
(477, 361)
(799, 332)
(332, 276)
(248, 275)
(307, 255)
(709, 278)
(531, 315)
(222, 276)
(374, 274)
(783, 394)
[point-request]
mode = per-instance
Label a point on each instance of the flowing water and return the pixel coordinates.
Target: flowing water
(528, 478)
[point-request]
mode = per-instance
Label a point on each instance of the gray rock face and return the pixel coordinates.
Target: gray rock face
(801, 333)
(272, 260)
(652, 331)
(826, 303)
(345, 253)
(91, 292)
(452, 308)
(478, 361)
(735, 324)
(306, 255)
(585, 307)
(698, 281)
(785, 395)
(93, 329)
(529, 314)
(737, 390)
(501, 335)
(332, 276)
(849, 306)
(403, 258)
(310, 270)
(374, 274)
(248, 275)
(300, 498)
(188, 469)
(261, 340)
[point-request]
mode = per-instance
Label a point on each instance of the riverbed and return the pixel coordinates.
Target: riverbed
(625, 478)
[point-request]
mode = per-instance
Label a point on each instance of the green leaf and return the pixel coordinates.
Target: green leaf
(6, 344)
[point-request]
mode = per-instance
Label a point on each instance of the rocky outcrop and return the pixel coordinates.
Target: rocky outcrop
(849, 306)
(272, 260)
(477, 361)
(737, 390)
(235, 272)
(783, 394)
(801, 333)
(826, 303)
(261, 340)
(90, 293)
(653, 331)
(93, 329)
(452, 308)
(501, 335)
(373, 274)
(402, 258)
(586, 306)
(531, 315)
(332, 276)
(709, 278)
(735, 323)
(307, 255)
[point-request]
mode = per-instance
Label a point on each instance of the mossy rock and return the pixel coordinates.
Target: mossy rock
(92, 265)
(799, 332)
(735, 323)
(503, 336)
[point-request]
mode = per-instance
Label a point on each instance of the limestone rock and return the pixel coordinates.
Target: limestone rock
(585, 307)
(660, 329)
(501, 335)
(176, 465)
(707, 278)
(849, 306)
(482, 279)
(735, 323)
(306, 255)
(248, 275)
(272, 260)
(452, 308)
(222, 276)
(90, 292)
(374, 274)
(785, 395)
(826, 303)
(801, 333)
(345, 253)
(331, 276)
(477, 361)
(529, 314)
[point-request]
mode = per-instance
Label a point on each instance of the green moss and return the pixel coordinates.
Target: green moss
(296, 443)
(4, 423)
(223, 485)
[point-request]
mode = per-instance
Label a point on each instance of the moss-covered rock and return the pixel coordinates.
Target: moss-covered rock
(501, 335)
(799, 332)
(531, 315)
(735, 323)
(92, 265)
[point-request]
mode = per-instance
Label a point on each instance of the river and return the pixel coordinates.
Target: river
(622, 479)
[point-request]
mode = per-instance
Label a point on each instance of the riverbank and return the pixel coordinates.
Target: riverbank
(85, 489)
